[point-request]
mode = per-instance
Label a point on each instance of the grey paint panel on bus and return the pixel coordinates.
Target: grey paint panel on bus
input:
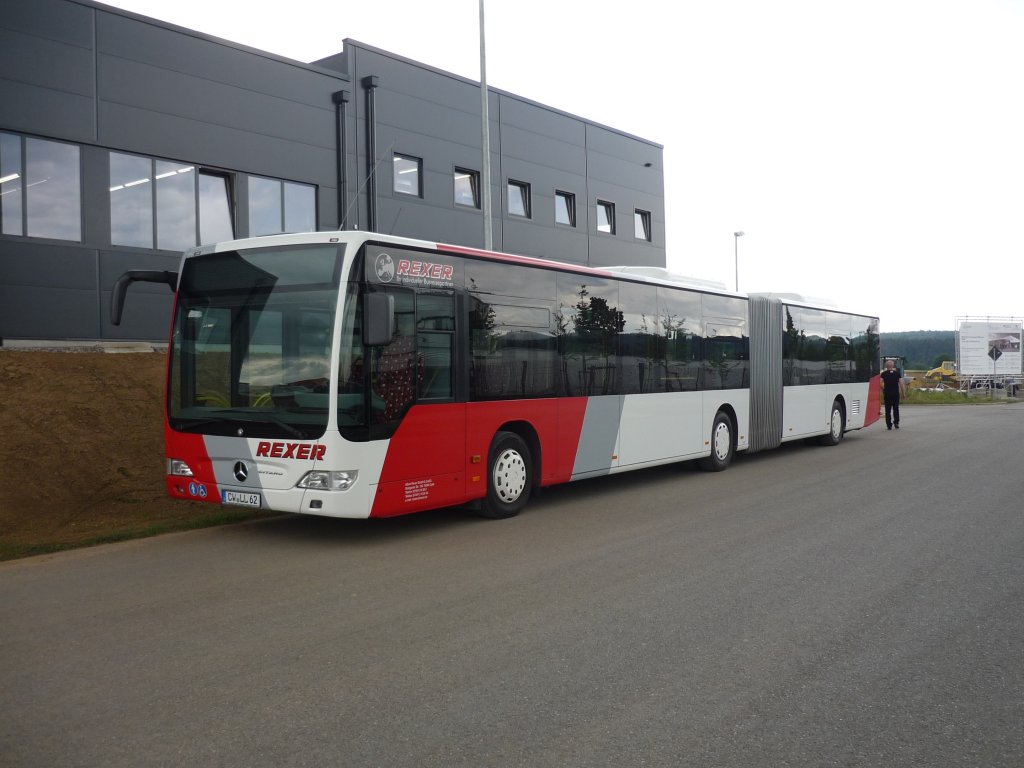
(223, 453)
(599, 435)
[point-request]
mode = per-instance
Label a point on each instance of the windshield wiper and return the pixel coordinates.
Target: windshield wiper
(193, 424)
(236, 420)
(293, 431)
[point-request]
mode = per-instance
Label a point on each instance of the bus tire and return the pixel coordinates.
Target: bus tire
(722, 445)
(836, 425)
(509, 477)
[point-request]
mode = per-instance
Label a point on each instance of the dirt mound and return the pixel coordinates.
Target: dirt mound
(81, 450)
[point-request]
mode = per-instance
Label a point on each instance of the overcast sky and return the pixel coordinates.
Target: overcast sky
(872, 151)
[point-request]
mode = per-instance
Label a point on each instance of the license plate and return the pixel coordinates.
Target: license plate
(242, 499)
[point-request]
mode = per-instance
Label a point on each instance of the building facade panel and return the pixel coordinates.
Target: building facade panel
(45, 62)
(38, 264)
(418, 114)
(60, 20)
(147, 41)
(521, 115)
(45, 312)
(523, 145)
(47, 112)
(206, 102)
(48, 290)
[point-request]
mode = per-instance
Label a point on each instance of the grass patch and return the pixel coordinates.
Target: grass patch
(11, 551)
(945, 397)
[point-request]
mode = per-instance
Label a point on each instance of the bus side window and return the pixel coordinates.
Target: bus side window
(393, 366)
(435, 322)
(435, 350)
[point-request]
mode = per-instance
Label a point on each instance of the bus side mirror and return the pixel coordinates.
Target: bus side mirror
(136, 275)
(378, 319)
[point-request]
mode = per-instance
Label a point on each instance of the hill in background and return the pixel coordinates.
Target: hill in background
(921, 348)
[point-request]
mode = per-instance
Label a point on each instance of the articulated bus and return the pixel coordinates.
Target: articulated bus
(353, 374)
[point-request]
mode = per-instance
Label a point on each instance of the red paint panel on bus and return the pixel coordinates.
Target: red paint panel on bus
(191, 449)
(438, 455)
(557, 423)
(424, 465)
(874, 400)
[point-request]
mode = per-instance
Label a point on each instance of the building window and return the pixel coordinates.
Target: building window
(11, 188)
(299, 207)
(407, 175)
(189, 206)
(175, 206)
(215, 220)
(518, 198)
(467, 188)
(280, 206)
(642, 224)
(606, 217)
(40, 188)
(565, 208)
(131, 200)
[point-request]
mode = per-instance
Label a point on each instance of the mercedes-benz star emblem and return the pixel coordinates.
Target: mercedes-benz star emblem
(241, 471)
(385, 268)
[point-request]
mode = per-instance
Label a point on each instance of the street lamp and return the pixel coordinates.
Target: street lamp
(485, 129)
(736, 240)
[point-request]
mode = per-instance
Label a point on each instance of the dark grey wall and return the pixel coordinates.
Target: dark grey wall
(103, 79)
(435, 115)
(47, 69)
(108, 80)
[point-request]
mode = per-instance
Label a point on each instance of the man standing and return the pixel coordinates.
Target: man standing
(893, 389)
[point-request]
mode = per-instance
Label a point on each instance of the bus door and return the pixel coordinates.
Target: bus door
(413, 391)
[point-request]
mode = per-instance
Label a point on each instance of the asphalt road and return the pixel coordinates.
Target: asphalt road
(851, 606)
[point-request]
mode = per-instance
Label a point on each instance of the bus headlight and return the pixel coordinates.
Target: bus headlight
(178, 468)
(320, 480)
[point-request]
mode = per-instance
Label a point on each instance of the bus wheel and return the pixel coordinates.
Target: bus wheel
(721, 445)
(509, 477)
(837, 425)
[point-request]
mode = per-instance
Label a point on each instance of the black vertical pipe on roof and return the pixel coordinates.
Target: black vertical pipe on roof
(340, 99)
(370, 84)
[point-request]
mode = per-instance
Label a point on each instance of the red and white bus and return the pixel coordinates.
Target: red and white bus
(353, 374)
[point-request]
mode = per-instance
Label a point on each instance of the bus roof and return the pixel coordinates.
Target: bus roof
(657, 275)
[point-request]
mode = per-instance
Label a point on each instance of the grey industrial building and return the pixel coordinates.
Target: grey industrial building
(125, 140)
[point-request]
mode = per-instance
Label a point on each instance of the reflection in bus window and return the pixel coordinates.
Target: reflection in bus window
(639, 342)
(393, 367)
(513, 351)
(435, 319)
(588, 323)
(865, 348)
(435, 350)
(351, 363)
(679, 316)
(725, 356)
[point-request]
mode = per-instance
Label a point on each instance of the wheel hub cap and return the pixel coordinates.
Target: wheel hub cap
(722, 441)
(509, 476)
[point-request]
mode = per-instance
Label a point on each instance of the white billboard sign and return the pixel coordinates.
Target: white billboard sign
(990, 348)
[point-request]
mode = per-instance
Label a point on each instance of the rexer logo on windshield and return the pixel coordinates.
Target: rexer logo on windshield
(417, 273)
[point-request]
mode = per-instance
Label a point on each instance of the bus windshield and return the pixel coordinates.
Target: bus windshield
(251, 344)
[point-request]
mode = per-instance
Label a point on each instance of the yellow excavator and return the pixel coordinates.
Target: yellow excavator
(946, 373)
